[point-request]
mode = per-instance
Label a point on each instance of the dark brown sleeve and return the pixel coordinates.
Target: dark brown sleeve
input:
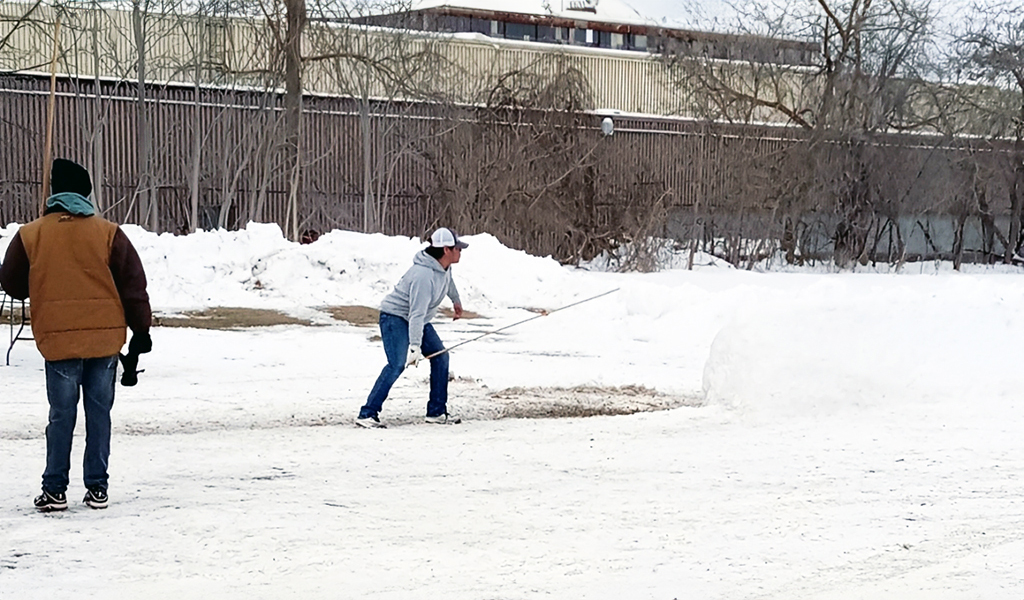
(14, 270)
(130, 279)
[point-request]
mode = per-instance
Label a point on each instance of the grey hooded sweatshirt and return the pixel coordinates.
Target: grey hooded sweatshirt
(418, 294)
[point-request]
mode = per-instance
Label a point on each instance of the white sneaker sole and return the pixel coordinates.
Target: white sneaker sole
(442, 420)
(370, 424)
(52, 508)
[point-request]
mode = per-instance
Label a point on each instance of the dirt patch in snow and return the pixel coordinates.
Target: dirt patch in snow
(583, 401)
(227, 318)
(475, 402)
(466, 314)
(366, 316)
(355, 315)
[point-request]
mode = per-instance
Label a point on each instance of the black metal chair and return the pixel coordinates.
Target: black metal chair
(16, 335)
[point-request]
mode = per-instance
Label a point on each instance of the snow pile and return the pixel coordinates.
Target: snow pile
(258, 267)
(657, 254)
(840, 344)
(794, 342)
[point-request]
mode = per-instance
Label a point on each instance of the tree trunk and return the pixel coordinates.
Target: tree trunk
(147, 212)
(229, 194)
(988, 223)
(296, 20)
(265, 155)
(197, 159)
(96, 168)
(901, 249)
(958, 241)
(789, 239)
(1013, 239)
(369, 220)
(197, 135)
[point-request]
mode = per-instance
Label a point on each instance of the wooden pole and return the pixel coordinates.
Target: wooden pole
(48, 147)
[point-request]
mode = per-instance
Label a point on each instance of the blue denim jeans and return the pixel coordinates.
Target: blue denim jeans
(394, 332)
(94, 378)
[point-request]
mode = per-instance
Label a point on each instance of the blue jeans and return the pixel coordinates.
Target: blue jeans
(394, 332)
(94, 377)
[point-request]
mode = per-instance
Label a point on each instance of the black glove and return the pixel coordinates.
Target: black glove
(141, 343)
(130, 363)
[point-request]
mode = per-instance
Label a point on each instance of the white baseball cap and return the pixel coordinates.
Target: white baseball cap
(446, 238)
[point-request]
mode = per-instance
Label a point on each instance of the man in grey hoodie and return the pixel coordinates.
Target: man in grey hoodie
(406, 331)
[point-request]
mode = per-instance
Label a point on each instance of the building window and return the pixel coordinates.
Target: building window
(480, 26)
(618, 40)
(497, 28)
(584, 37)
(632, 41)
(553, 34)
(518, 31)
(447, 24)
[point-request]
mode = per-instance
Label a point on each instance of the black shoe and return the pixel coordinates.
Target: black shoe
(96, 497)
(443, 419)
(51, 501)
(371, 422)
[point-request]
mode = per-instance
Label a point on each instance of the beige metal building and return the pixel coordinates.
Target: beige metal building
(461, 67)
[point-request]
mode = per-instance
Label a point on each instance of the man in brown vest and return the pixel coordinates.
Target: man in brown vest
(86, 284)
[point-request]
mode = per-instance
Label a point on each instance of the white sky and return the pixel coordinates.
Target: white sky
(721, 14)
(718, 15)
(682, 11)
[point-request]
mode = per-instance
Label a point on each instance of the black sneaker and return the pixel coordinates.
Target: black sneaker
(51, 501)
(96, 497)
(370, 422)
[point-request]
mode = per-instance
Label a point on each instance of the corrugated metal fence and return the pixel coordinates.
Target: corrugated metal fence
(402, 168)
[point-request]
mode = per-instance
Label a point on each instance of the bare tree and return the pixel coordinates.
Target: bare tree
(382, 69)
(14, 20)
(531, 165)
(867, 83)
(990, 50)
(101, 40)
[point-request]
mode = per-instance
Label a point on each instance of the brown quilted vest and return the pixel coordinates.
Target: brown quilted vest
(76, 309)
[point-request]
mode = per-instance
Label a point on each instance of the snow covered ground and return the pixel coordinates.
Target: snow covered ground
(800, 435)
